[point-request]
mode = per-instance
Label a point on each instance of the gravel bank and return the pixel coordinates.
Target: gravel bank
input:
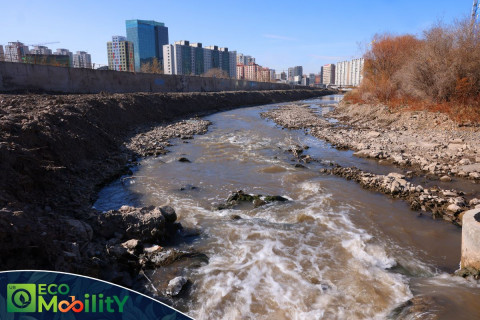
(423, 142)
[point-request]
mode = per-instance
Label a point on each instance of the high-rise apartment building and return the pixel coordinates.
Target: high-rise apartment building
(2, 53)
(254, 72)
(305, 80)
(349, 73)
(265, 75)
(65, 52)
(148, 38)
(40, 50)
(295, 71)
(187, 58)
(15, 51)
(248, 69)
(240, 71)
(281, 77)
(81, 59)
(356, 71)
(240, 58)
(243, 59)
(272, 74)
(198, 58)
(179, 58)
(342, 73)
(311, 79)
(328, 72)
(120, 54)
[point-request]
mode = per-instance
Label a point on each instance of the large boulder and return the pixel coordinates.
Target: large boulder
(80, 230)
(145, 224)
(257, 200)
(168, 213)
(176, 285)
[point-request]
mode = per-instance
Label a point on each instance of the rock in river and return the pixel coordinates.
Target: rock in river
(445, 179)
(176, 285)
(145, 224)
(168, 213)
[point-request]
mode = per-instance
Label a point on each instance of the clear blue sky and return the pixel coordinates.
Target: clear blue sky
(278, 33)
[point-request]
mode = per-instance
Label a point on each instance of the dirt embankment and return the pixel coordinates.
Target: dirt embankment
(425, 143)
(56, 151)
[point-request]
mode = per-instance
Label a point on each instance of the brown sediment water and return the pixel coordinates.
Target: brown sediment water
(335, 251)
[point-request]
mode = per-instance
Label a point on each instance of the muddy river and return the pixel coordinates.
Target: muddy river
(334, 251)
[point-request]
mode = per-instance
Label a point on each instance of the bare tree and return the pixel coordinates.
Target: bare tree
(216, 73)
(152, 67)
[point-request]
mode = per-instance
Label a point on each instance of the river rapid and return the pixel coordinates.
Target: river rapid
(334, 251)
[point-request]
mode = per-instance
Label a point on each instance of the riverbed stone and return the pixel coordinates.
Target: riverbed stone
(449, 193)
(395, 187)
(145, 224)
(474, 202)
(168, 213)
(132, 245)
(362, 153)
(474, 175)
(176, 285)
(373, 134)
(470, 168)
(396, 175)
(454, 208)
(445, 179)
(81, 230)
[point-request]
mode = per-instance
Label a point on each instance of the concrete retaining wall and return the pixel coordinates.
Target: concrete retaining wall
(40, 78)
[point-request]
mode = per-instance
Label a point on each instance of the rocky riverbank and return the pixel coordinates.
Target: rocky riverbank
(428, 142)
(57, 151)
(423, 143)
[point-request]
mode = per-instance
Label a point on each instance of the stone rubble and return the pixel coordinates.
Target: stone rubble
(448, 205)
(426, 143)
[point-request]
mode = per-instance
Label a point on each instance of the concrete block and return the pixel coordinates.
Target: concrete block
(471, 239)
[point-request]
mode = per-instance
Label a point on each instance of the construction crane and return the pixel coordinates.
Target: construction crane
(42, 44)
(476, 12)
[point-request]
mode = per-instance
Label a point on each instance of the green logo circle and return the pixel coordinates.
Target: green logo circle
(21, 298)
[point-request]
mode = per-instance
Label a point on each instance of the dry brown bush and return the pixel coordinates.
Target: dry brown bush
(216, 73)
(447, 66)
(387, 55)
(152, 67)
(440, 72)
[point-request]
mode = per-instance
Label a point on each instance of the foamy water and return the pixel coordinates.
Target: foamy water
(335, 251)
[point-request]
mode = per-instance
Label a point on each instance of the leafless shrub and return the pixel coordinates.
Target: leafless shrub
(440, 71)
(216, 73)
(447, 65)
(152, 67)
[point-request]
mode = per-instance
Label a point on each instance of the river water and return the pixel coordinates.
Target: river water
(335, 251)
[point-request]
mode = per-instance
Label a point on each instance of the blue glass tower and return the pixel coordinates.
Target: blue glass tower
(148, 38)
